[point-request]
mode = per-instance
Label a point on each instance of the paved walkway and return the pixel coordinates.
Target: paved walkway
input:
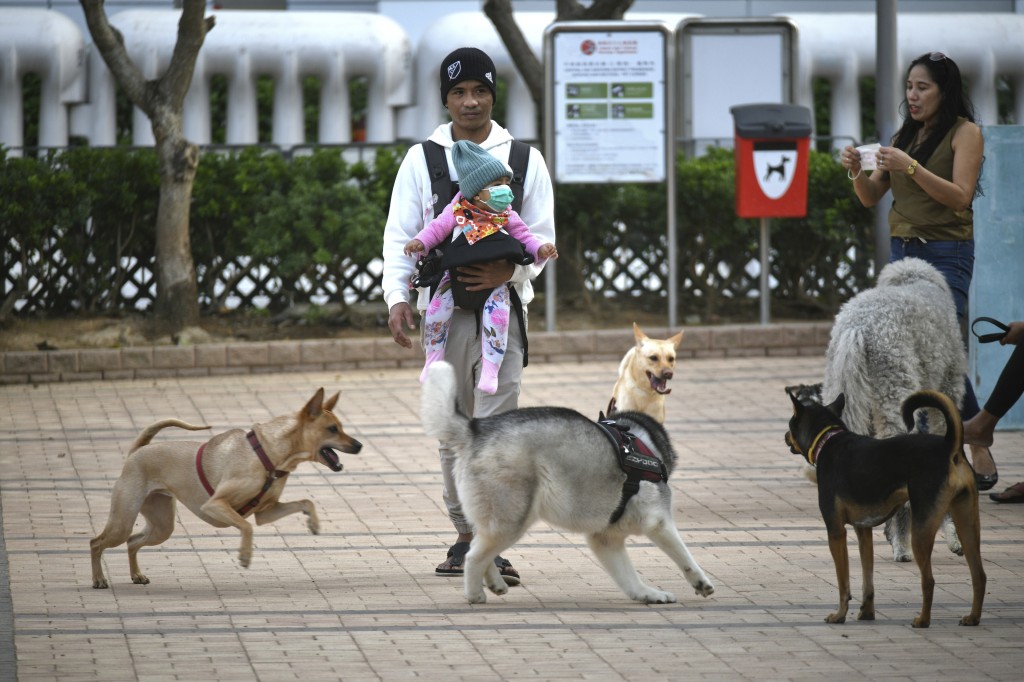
(360, 601)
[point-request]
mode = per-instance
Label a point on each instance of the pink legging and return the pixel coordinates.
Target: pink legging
(494, 319)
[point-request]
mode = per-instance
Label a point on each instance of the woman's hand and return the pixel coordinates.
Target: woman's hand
(850, 158)
(893, 160)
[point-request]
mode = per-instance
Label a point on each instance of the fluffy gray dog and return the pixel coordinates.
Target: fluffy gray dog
(887, 343)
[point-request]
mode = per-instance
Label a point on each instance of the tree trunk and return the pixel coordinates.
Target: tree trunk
(162, 100)
(177, 302)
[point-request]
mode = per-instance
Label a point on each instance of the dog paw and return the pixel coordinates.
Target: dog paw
(704, 588)
(476, 597)
(245, 559)
(499, 589)
(865, 615)
(140, 579)
(656, 597)
(901, 556)
(920, 623)
(100, 584)
(970, 620)
(835, 618)
(312, 521)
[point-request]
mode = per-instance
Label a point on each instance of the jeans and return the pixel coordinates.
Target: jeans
(955, 260)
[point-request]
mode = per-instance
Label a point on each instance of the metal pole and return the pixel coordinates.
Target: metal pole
(670, 183)
(550, 303)
(886, 108)
(765, 290)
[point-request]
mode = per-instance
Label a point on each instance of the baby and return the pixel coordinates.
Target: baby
(479, 210)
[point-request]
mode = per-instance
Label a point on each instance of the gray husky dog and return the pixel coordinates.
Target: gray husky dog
(887, 343)
(554, 464)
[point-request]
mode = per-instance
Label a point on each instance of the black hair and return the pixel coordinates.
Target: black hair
(954, 103)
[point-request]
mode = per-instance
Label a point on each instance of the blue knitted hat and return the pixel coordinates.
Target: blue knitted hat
(476, 168)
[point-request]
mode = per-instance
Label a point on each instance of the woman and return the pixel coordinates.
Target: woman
(932, 168)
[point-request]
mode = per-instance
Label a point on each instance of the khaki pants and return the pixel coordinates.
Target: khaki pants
(463, 351)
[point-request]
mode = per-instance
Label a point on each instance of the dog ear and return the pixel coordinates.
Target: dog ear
(797, 405)
(315, 407)
(331, 402)
(676, 340)
(837, 405)
(638, 334)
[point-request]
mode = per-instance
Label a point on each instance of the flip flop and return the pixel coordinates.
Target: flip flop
(452, 566)
(1012, 495)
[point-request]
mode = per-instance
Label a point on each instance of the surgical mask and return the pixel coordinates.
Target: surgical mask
(501, 198)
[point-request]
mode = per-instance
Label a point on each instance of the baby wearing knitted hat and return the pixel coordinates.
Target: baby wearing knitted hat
(480, 208)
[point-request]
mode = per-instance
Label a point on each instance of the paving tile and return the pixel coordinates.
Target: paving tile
(360, 601)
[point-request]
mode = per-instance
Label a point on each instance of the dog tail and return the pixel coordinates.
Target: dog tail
(440, 415)
(846, 373)
(944, 404)
(153, 429)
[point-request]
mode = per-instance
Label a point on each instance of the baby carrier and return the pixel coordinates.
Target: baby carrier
(451, 254)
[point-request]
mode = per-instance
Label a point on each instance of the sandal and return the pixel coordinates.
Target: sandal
(1012, 495)
(985, 481)
(452, 565)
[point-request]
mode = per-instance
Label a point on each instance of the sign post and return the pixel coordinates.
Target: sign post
(610, 85)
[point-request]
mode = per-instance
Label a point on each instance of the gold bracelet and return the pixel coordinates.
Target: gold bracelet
(912, 168)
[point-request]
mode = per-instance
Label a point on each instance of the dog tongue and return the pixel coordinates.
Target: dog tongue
(659, 385)
(332, 459)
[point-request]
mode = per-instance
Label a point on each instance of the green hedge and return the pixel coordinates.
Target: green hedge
(78, 223)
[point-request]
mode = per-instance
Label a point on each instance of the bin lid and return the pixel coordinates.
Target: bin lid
(762, 121)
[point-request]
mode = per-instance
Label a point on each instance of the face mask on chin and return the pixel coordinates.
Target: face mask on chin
(500, 198)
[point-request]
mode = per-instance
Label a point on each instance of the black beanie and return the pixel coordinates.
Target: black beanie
(467, 64)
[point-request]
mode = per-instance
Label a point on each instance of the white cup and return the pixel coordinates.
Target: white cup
(868, 154)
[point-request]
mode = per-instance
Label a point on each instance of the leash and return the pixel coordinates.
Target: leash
(635, 458)
(272, 473)
(993, 336)
(824, 436)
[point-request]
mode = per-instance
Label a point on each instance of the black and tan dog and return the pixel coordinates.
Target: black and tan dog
(862, 481)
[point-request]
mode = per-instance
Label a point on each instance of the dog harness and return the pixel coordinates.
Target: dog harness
(635, 458)
(819, 442)
(272, 473)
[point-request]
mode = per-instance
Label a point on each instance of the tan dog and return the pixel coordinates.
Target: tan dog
(643, 375)
(222, 481)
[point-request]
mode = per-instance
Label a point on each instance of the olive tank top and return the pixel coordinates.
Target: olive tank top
(915, 214)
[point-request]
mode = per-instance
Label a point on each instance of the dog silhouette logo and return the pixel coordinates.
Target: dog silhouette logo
(780, 168)
(774, 165)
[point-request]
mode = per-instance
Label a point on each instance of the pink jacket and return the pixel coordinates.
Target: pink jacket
(441, 227)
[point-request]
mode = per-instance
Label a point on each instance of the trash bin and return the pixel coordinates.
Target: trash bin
(772, 151)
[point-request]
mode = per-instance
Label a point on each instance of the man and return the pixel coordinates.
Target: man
(467, 79)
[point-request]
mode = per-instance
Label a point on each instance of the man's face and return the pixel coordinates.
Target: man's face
(469, 104)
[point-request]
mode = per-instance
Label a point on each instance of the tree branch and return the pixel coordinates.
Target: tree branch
(110, 43)
(192, 30)
(529, 66)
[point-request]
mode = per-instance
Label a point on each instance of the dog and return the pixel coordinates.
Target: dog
(555, 465)
(644, 374)
(863, 481)
(888, 342)
(779, 169)
(223, 481)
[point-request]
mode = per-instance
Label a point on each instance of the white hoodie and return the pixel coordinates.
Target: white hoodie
(411, 210)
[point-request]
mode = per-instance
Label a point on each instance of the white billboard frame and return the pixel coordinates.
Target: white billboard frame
(611, 155)
(731, 53)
